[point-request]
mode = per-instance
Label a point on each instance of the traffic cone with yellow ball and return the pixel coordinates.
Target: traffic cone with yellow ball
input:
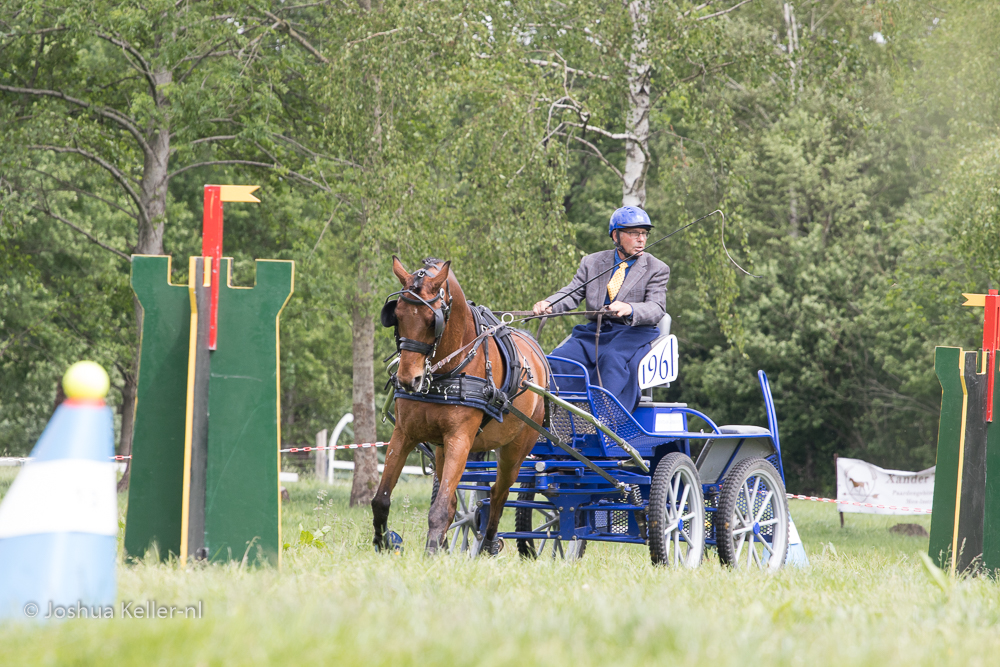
(59, 520)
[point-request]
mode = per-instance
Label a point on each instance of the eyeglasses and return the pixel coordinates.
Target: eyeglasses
(636, 234)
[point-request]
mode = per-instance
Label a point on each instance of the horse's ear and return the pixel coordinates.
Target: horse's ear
(401, 273)
(441, 278)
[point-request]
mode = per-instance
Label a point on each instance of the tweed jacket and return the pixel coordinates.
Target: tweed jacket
(645, 287)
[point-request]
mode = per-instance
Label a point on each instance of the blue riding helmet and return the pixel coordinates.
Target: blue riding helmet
(627, 217)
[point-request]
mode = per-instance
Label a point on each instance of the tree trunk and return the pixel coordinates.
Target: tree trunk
(637, 119)
(128, 418)
(363, 348)
(152, 220)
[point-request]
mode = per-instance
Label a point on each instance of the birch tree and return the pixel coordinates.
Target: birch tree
(616, 66)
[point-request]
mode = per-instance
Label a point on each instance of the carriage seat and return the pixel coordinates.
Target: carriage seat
(664, 326)
(741, 429)
(717, 456)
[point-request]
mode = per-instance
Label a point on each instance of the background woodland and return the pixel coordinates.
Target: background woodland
(852, 144)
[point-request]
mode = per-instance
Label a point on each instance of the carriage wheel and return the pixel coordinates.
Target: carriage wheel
(676, 513)
(752, 519)
(546, 524)
(465, 536)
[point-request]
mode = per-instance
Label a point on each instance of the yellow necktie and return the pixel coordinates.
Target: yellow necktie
(616, 281)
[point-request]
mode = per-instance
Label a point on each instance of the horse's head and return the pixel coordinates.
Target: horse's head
(420, 315)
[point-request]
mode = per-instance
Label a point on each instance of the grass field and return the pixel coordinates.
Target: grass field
(866, 599)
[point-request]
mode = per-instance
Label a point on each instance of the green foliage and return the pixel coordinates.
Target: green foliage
(850, 146)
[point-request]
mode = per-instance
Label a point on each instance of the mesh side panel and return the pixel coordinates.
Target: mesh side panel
(562, 423)
(621, 423)
(711, 501)
(614, 522)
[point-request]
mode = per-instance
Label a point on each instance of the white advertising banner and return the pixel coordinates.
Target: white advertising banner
(887, 490)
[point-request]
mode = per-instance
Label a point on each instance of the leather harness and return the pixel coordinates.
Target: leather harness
(456, 387)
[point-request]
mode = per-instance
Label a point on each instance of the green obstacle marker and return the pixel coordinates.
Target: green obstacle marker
(206, 449)
(242, 494)
(157, 466)
(965, 528)
(991, 500)
(959, 520)
(951, 431)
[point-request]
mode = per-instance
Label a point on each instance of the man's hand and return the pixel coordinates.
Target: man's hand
(542, 308)
(620, 309)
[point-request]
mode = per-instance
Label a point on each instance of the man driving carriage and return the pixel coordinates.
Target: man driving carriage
(631, 297)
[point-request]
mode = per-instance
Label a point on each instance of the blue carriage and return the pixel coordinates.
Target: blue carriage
(601, 473)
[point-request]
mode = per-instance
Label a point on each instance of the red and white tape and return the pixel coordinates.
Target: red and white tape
(856, 504)
(292, 450)
(361, 445)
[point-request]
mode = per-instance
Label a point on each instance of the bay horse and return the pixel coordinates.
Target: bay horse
(431, 297)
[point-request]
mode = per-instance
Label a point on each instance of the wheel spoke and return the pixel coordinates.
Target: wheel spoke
(751, 552)
(745, 491)
(687, 538)
(763, 506)
(753, 496)
(677, 548)
(548, 524)
(744, 529)
(770, 522)
(764, 544)
(684, 497)
(739, 548)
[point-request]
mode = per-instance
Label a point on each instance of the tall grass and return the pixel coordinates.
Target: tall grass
(866, 599)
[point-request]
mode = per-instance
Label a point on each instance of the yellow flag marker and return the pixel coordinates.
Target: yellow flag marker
(974, 300)
(238, 193)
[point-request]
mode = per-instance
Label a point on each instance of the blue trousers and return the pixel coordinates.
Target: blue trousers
(621, 349)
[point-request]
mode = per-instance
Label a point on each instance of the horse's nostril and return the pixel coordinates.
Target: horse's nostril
(418, 381)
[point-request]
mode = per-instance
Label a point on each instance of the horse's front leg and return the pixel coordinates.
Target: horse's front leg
(399, 448)
(450, 465)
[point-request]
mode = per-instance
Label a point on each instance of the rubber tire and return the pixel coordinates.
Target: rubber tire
(522, 524)
(656, 512)
(732, 486)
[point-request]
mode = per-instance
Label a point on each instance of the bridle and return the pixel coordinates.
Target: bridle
(441, 315)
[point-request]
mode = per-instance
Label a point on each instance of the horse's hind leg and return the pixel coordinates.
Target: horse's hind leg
(509, 460)
(395, 457)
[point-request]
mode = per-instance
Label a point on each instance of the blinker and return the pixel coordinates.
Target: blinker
(388, 314)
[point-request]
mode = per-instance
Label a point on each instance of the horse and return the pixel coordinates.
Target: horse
(427, 335)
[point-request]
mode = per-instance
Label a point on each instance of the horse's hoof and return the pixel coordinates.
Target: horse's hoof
(392, 542)
(492, 547)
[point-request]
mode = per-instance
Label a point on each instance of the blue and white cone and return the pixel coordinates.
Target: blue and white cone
(796, 552)
(59, 520)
